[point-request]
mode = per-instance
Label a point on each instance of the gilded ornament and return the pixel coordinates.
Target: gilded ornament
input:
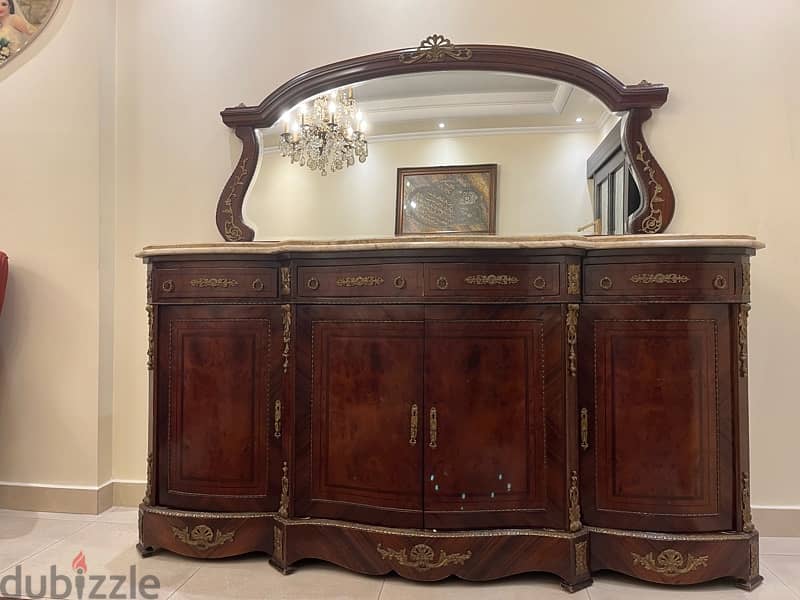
(213, 282)
(746, 280)
(491, 280)
(654, 221)
(585, 428)
(202, 537)
(148, 490)
(747, 512)
(277, 543)
(286, 281)
(581, 564)
(421, 557)
(744, 309)
(435, 48)
(231, 231)
(573, 279)
(287, 335)
(283, 509)
(648, 278)
(574, 503)
(151, 337)
(360, 281)
(670, 562)
(572, 338)
(754, 567)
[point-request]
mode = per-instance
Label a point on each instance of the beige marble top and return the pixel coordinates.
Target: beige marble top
(664, 240)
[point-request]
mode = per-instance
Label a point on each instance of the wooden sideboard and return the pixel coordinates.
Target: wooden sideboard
(469, 407)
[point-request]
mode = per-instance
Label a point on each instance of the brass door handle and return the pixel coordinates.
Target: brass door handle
(434, 426)
(414, 425)
(585, 428)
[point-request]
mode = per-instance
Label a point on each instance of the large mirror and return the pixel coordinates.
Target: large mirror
(431, 146)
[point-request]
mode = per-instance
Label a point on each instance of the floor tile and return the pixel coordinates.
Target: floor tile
(611, 586)
(522, 587)
(251, 582)
(784, 568)
(119, 514)
(21, 537)
(109, 549)
(779, 545)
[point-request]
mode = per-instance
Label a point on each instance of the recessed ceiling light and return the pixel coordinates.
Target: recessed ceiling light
(579, 120)
(441, 125)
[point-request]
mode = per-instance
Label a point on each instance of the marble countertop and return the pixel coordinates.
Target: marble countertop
(606, 242)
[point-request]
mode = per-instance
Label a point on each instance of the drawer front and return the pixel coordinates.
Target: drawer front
(716, 281)
(493, 279)
(360, 280)
(214, 282)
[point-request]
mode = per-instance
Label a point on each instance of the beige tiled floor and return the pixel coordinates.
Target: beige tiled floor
(36, 541)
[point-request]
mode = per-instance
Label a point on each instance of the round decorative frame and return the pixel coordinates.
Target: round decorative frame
(25, 21)
(437, 53)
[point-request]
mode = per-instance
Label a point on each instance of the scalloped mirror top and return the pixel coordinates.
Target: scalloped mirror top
(539, 133)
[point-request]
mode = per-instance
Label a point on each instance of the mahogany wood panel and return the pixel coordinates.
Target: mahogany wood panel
(360, 280)
(218, 380)
(431, 556)
(712, 281)
(364, 367)
(214, 282)
(656, 383)
(492, 279)
(494, 378)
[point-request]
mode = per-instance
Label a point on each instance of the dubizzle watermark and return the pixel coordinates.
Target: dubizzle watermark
(80, 584)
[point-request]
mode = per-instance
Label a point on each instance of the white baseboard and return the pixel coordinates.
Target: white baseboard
(82, 499)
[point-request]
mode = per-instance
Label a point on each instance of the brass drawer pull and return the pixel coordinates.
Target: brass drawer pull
(399, 282)
(434, 428)
(539, 283)
(585, 428)
(442, 283)
(606, 283)
(720, 283)
(168, 286)
(312, 283)
(258, 285)
(414, 425)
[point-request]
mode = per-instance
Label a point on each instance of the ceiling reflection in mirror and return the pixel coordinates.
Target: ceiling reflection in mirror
(329, 167)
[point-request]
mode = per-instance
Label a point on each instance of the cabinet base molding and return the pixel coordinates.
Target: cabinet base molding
(203, 534)
(677, 559)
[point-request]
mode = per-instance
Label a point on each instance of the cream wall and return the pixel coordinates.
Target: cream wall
(728, 137)
(57, 145)
(541, 186)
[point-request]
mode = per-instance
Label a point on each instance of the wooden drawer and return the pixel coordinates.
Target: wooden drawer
(360, 280)
(711, 280)
(492, 279)
(214, 282)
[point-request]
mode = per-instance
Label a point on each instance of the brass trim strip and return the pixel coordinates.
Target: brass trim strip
(648, 278)
(151, 337)
(744, 310)
(672, 537)
(585, 428)
(183, 514)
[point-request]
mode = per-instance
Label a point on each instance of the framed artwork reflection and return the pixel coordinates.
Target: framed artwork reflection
(453, 199)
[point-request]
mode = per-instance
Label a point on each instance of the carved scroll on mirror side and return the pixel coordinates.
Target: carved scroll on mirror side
(658, 200)
(229, 208)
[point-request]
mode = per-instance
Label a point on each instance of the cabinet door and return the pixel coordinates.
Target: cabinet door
(219, 370)
(655, 385)
(359, 387)
(494, 417)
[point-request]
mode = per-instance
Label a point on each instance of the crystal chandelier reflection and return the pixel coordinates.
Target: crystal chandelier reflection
(329, 135)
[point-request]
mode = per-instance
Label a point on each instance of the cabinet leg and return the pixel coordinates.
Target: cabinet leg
(577, 586)
(146, 551)
(749, 584)
(280, 568)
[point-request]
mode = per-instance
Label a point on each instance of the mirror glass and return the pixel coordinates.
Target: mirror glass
(449, 152)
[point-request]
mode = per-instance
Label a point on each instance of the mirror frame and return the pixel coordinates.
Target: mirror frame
(437, 53)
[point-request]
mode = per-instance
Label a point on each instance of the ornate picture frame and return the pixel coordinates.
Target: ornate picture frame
(21, 22)
(457, 199)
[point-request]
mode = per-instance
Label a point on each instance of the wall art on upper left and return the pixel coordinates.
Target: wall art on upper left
(20, 23)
